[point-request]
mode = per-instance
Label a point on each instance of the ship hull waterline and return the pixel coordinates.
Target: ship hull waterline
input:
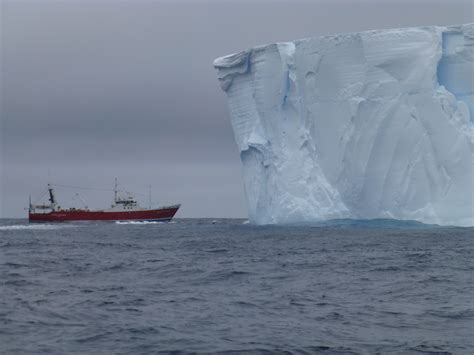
(162, 214)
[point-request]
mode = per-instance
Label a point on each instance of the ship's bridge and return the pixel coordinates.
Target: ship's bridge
(125, 204)
(129, 201)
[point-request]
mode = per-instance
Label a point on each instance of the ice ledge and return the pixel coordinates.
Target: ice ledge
(230, 60)
(230, 66)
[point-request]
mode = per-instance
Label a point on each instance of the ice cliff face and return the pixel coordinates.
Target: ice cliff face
(374, 124)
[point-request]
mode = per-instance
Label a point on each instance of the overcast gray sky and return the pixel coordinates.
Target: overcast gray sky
(92, 90)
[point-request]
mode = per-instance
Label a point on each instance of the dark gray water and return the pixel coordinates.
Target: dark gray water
(193, 286)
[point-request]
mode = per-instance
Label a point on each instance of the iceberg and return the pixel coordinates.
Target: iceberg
(376, 124)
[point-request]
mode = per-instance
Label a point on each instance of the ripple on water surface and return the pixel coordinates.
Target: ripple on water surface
(338, 287)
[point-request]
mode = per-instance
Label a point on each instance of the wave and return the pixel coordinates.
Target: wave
(139, 222)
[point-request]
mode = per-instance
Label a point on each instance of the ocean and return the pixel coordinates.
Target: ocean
(225, 286)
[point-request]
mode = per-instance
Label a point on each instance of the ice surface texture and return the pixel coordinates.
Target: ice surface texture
(375, 124)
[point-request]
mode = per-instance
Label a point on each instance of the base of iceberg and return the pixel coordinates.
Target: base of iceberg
(366, 125)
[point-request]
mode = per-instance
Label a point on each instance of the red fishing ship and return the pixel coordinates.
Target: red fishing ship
(122, 209)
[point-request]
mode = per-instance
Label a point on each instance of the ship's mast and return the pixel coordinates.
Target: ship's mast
(52, 197)
(149, 196)
(115, 192)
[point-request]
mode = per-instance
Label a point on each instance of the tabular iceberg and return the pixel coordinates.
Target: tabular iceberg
(375, 124)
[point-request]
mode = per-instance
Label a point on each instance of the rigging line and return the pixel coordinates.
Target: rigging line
(82, 187)
(97, 189)
(36, 201)
(134, 193)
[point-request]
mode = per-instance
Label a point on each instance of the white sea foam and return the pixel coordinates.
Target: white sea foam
(32, 227)
(139, 222)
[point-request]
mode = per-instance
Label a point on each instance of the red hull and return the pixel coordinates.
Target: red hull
(162, 214)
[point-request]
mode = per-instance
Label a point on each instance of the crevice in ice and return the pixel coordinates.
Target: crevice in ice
(286, 51)
(286, 88)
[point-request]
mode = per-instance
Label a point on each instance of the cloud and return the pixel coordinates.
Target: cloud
(94, 90)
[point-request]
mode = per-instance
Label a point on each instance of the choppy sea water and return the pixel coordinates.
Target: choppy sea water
(204, 286)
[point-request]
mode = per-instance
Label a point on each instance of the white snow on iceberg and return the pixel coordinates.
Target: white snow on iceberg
(375, 124)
